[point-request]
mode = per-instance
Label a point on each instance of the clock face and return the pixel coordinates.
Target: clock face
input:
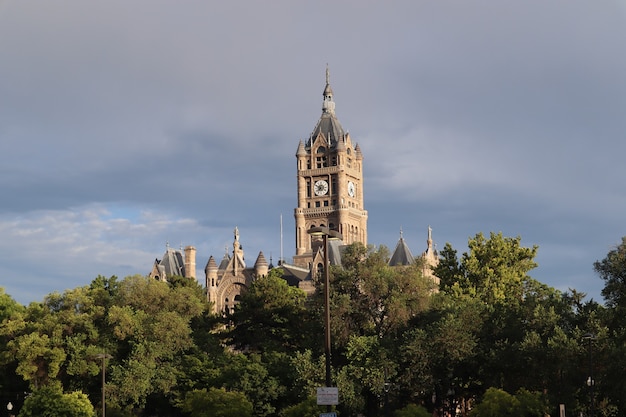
(351, 189)
(321, 187)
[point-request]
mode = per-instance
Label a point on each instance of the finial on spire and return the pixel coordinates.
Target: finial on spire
(429, 242)
(400, 232)
(328, 106)
(327, 74)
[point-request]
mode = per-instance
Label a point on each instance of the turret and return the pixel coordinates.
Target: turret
(190, 262)
(261, 267)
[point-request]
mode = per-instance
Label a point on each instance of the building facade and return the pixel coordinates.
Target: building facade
(330, 189)
(329, 183)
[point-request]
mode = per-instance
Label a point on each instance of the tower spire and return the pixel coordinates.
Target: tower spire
(327, 75)
(328, 106)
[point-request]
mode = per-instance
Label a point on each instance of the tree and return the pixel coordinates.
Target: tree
(372, 305)
(495, 268)
(499, 403)
(612, 269)
(217, 403)
(150, 324)
(250, 376)
(306, 408)
(412, 410)
(369, 297)
(50, 401)
(496, 403)
(271, 316)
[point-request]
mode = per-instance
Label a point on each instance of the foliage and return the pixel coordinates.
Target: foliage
(271, 316)
(412, 410)
(395, 341)
(612, 269)
(50, 401)
(496, 403)
(369, 297)
(493, 269)
(306, 408)
(499, 403)
(217, 403)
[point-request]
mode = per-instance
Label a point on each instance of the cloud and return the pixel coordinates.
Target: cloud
(125, 125)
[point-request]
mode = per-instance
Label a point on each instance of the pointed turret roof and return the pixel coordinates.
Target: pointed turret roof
(359, 154)
(211, 265)
(260, 260)
(402, 254)
(301, 150)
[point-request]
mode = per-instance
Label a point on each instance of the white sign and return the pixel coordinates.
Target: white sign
(333, 414)
(327, 396)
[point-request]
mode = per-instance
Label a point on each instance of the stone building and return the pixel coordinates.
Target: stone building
(174, 263)
(329, 168)
(330, 183)
(225, 282)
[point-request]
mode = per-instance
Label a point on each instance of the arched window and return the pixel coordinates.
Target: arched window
(320, 270)
(321, 149)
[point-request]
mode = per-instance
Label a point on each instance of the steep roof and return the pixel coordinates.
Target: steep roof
(173, 263)
(402, 254)
(328, 124)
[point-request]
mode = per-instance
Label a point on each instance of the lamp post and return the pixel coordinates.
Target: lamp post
(590, 382)
(326, 233)
(10, 408)
(104, 357)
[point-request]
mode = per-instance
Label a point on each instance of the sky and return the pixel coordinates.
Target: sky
(126, 126)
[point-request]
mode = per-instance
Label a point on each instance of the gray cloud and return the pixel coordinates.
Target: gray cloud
(123, 126)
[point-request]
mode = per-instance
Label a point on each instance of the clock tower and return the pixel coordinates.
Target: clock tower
(330, 183)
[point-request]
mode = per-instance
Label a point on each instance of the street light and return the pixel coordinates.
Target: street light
(104, 357)
(590, 382)
(10, 408)
(326, 234)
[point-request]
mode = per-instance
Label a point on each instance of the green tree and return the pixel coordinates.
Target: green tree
(412, 410)
(612, 269)
(499, 403)
(217, 403)
(372, 305)
(496, 403)
(271, 316)
(150, 323)
(55, 340)
(610, 366)
(496, 269)
(369, 297)
(306, 408)
(50, 401)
